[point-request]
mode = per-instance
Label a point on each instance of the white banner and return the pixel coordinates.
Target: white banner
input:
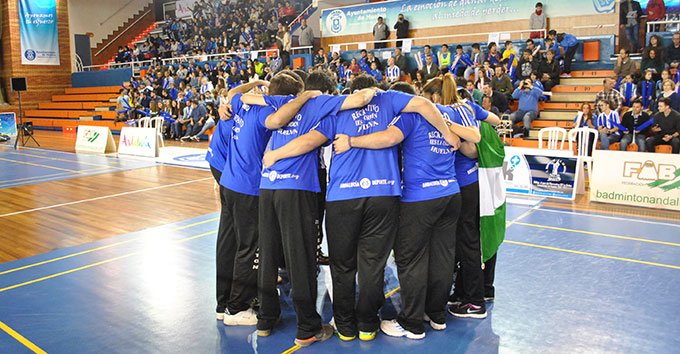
(94, 140)
(542, 172)
(138, 142)
(183, 8)
(636, 179)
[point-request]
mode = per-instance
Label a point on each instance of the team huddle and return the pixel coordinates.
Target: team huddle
(402, 177)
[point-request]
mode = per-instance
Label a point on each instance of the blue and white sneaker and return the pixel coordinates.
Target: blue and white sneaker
(393, 329)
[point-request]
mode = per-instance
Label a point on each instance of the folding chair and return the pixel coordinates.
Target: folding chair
(556, 135)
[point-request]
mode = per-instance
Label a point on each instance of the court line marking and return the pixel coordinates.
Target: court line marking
(623, 214)
(39, 165)
(104, 197)
(593, 254)
(74, 161)
(103, 247)
(97, 263)
(44, 151)
(27, 343)
(608, 217)
(296, 347)
(61, 175)
(598, 234)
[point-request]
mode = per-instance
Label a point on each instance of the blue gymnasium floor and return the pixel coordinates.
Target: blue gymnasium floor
(566, 282)
(29, 166)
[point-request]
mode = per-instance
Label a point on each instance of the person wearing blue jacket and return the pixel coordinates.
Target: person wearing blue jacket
(527, 111)
(568, 45)
(461, 62)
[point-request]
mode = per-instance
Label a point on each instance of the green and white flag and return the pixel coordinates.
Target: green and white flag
(491, 190)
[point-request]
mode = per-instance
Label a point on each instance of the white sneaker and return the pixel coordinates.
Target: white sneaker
(244, 318)
(436, 326)
(393, 329)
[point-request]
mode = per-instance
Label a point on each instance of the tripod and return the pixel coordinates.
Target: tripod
(22, 130)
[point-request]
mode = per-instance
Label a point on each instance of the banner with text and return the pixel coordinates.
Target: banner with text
(360, 19)
(548, 173)
(94, 140)
(183, 8)
(38, 32)
(138, 141)
(636, 179)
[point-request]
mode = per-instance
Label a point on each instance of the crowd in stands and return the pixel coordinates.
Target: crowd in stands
(228, 26)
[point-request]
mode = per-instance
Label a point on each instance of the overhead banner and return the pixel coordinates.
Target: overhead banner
(636, 179)
(360, 19)
(542, 172)
(38, 32)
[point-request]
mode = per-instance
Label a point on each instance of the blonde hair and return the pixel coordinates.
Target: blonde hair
(446, 88)
(668, 81)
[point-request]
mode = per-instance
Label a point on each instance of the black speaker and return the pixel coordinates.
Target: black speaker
(18, 84)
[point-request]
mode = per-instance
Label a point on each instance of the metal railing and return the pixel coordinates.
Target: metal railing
(296, 20)
(121, 33)
(413, 40)
(675, 21)
(134, 65)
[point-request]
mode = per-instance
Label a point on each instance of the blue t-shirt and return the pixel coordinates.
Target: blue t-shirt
(466, 168)
(300, 172)
(360, 173)
(249, 138)
(219, 144)
(427, 159)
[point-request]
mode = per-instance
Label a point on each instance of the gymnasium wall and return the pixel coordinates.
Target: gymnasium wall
(101, 17)
(43, 81)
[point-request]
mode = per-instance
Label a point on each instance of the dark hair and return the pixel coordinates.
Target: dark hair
(302, 74)
(320, 80)
(491, 44)
(507, 42)
(380, 18)
(637, 100)
(666, 100)
(459, 47)
(609, 103)
(445, 45)
(529, 41)
(469, 81)
(538, 4)
(552, 32)
(362, 51)
(285, 83)
(527, 51)
(427, 46)
(476, 46)
(403, 87)
(362, 81)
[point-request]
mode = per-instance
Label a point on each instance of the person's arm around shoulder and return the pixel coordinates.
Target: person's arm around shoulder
(430, 112)
(378, 140)
(296, 147)
(244, 89)
(359, 99)
(284, 114)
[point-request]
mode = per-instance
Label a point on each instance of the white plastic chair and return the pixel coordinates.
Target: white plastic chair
(581, 136)
(556, 136)
(158, 124)
(144, 122)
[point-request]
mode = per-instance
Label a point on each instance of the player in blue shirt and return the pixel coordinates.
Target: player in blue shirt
(288, 208)
(241, 179)
(429, 207)
(362, 208)
(468, 298)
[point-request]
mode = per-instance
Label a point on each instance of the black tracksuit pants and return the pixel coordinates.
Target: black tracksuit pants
(424, 251)
(470, 279)
(236, 248)
(360, 234)
(287, 222)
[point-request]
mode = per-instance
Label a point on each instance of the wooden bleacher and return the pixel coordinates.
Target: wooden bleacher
(81, 105)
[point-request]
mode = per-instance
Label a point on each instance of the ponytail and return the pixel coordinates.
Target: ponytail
(449, 92)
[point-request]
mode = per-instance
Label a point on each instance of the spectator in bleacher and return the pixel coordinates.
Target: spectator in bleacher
(510, 71)
(656, 11)
(652, 63)
(666, 127)
(207, 122)
(526, 66)
(370, 58)
(476, 59)
(493, 57)
(430, 69)
(607, 122)
(427, 50)
(568, 44)
(196, 119)
(624, 64)
(380, 33)
(206, 85)
(375, 72)
(608, 94)
(535, 51)
(474, 93)
(509, 54)
(123, 106)
(276, 63)
(632, 120)
(668, 91)
(283, 42)
(655, 43)
(673, 52)
(629, 18)
(527, 110)
(363, 61)
(288, 13)
(320, 59)
(354, 67)
(392, 73)
(235, 79)
(628, 90)
(444, 57)
(402, 28)
(461, 62)
(537, 21)
(646, 90)
(498, 99)
(400, 61)
(483, 78)
(665, 75)
(487, 105)
(306, 35)
(585, 119)
(501, 82)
